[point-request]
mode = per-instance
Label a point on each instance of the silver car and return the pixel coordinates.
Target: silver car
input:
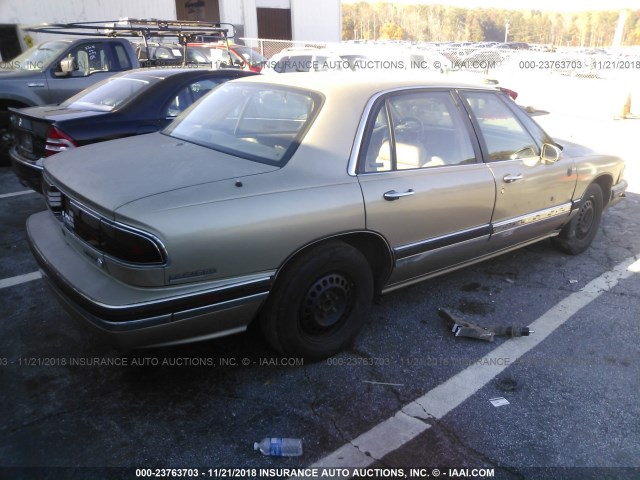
(293, 200)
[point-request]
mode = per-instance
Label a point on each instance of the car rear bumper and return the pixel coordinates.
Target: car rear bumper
(28, 171)
(132, 317)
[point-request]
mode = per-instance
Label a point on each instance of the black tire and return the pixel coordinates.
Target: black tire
(319, 302)
(6, 138)
(578, 234)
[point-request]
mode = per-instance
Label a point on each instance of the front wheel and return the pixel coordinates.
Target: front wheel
(319, 303)
(578, 234)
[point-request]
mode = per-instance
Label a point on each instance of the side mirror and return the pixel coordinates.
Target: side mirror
(67, 65)
(550, 153)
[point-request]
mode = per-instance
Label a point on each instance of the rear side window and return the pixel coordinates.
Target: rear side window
(123, 59)
(504, 136)
(301, 63)
(189, 95)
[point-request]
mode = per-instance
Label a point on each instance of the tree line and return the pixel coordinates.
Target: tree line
(437, 23)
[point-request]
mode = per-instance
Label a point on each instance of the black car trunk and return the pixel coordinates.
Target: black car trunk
(30, 135)
(31, 127)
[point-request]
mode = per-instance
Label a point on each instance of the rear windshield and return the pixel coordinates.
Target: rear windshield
(259, 122)
(107, 95)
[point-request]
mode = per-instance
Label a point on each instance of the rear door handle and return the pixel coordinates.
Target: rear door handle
(392, 195)
(508, 178)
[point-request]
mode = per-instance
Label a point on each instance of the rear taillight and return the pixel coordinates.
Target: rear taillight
(129, 246)
(57, 141)
(117, 241)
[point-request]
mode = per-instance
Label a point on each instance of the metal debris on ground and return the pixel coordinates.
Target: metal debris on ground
(461, 328)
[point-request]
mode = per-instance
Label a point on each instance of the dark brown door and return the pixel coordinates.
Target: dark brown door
(274, 23)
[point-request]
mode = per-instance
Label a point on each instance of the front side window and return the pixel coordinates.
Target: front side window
(90, 58)
(196, 56)
(504, 135)
(427, 132)
(264, 123)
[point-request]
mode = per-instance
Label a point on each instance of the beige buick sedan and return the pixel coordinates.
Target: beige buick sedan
(294, 200)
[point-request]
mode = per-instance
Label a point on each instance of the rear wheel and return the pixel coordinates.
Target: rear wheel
(578, 234)
(319, 302)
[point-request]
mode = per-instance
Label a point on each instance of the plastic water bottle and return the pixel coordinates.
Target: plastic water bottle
(279, 447)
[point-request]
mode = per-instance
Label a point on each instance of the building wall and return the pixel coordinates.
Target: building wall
(63, 11)
(316, 20)
(201, 10)
(29, 12)
(319, 20)
(240, 13)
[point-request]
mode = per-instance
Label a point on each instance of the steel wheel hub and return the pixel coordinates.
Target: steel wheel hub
(585, 219)
(327, 304)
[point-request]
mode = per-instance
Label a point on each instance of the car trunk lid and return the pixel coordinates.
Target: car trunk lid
(108, 175)
(31, 127)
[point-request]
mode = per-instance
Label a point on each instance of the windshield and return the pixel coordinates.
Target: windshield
(36, 59)
(108, 94)
(264, 123)
(252, 57)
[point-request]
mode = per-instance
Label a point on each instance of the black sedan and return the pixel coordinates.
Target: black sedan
(131, 103)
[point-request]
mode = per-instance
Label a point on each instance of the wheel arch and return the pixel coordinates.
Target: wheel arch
(373, 246)
(605, 182)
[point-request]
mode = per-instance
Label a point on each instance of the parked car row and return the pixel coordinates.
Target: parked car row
(218, 55)
(52, 72)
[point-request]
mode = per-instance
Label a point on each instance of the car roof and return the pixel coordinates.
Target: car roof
(362, 83)
(163, 73)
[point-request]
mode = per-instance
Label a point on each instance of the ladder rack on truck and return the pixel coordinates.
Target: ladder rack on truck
(185, 31)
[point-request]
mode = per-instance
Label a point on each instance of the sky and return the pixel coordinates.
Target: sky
(547, 5)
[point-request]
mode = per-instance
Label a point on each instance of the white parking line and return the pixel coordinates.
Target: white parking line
(27, 277)
(15, 194)
(409, 422)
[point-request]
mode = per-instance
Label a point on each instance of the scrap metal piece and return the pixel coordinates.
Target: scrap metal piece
(461, 328)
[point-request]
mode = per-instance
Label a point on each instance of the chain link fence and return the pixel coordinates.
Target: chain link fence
(268, 48)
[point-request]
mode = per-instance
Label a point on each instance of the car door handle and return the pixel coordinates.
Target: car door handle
(508, 178)
(392, 195)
